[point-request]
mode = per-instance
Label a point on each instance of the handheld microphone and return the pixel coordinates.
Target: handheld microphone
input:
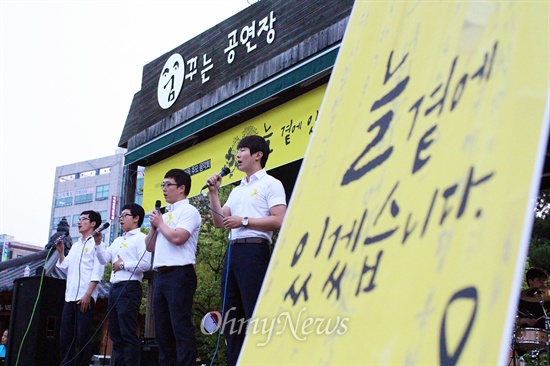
(61, 237)
(101, 228)
(158, 207)
(223, 173)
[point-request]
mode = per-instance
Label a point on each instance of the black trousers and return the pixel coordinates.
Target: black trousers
(247, 265)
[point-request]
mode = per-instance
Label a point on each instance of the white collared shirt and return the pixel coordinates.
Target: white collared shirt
(178, 215)
(254, 199)
(81, 267)
(131, 248)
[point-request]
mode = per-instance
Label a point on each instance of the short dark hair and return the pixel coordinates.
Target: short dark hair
(255, 143)
(536, 272)
(94, 217)
(181, 177)
(135, 210)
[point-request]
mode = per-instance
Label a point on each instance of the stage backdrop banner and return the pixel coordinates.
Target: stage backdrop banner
(408, 228)
(287, 129)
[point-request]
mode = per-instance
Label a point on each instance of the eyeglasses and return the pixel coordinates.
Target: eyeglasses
(123, 216)
(83, 218)
(167, 185)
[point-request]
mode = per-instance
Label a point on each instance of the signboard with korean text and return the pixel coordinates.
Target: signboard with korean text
(5, 246)
(429, 144)
(287, 128)
(220, 56)
(5, 250)
(113, 210)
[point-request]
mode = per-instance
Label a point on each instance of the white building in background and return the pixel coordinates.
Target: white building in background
(89, 185)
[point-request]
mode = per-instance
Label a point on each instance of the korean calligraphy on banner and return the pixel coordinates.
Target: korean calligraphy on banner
(287, 129)
(429, 144)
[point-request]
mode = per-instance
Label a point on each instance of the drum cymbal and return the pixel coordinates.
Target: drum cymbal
(536, 294)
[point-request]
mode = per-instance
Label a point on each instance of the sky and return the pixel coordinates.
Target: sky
(69, 71)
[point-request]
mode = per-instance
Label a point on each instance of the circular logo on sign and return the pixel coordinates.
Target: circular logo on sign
(171, 81)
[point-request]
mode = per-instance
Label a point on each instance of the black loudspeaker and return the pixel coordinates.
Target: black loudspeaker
(149, 352)
(37, 344)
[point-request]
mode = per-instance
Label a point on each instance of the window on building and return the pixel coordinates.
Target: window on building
(89, 173)
(68, 177)
(102, 192)
(57, 219)
(84, 195)
(63, 202)
(75, 220)
(104, 171)
(104, 216)
(83, 198)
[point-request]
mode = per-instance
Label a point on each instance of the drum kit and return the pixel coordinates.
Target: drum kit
(530, 340)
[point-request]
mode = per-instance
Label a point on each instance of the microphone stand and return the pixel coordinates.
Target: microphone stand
(513, 349)
(547, 329)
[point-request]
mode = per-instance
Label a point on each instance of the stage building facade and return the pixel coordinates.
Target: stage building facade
(262, 71)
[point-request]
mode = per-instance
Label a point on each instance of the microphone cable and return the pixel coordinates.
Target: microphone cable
(76, 305)
(226, 280)
(34, 307)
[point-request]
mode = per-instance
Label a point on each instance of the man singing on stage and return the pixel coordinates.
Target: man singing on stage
(130, 259)
(83, 272)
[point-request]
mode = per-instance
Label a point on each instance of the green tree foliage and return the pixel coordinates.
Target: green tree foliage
(539, 246)
(145, 288)
(542, 208)
(107, 272)
(209, 267)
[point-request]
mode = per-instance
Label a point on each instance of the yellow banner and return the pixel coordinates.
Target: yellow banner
(429, 145)
(287, 128)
